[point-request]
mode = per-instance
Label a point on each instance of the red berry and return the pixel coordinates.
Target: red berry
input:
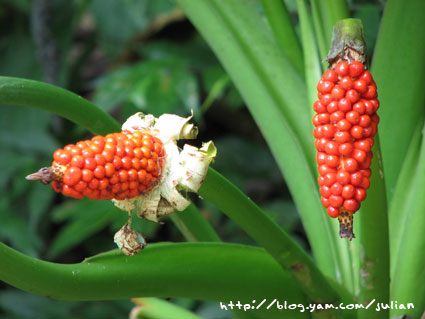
(359, 107)
(336, 189)
(360, 194)
(346, 83)
(333, 211)
(336, 117)
(349, 164)
(353, 117)
(342, 68)
(345, 149)
(343, 125)
(343, 177)
(357, 132)
(325, 191)
(331, 148)
(356, 68)
(351, 205)
(348, 191)
(337, 93)
(344, 105)
(356, 178)
(330, 75)
(352, 95)
(335, 200)
(332, 107)
(360, 86)
(325, 86)
(342, 137)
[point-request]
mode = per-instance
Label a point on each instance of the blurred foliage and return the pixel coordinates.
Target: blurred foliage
(126, 56)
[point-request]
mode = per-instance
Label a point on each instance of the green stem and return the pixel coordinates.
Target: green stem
(200, 271)
(280, 21)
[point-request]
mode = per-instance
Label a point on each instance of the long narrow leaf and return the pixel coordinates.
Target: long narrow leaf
(280, 21)
(402, 203)
(54, 99)
(398, 67)
(409, 275)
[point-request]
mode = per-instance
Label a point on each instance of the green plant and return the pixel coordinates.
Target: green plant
(276, 76)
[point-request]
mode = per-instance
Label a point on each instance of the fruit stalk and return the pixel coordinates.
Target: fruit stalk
(345, 125)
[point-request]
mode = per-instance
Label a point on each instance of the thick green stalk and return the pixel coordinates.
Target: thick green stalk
(399, 71)
(407, 285)
(312, 63)
(284, 31)
(199, 271)
(54, 99)
(374, 242)
(348, 41)
(252, 60)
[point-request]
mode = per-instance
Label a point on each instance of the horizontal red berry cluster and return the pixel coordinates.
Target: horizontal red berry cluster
(345, 126)
(117, 166)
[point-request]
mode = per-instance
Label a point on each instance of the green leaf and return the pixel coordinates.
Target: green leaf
(398, 72)
(57, 100)
(160, 309)
(370, 16)
(312, 62)
(281, 24)
(408, 273)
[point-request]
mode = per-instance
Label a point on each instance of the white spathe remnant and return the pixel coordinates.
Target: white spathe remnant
(129, 241)
(182, 171)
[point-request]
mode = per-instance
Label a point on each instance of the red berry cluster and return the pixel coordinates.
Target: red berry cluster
(345, 126)
(119, 165)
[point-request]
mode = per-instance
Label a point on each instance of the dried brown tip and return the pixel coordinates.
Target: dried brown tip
(346, 225)
(44, 175)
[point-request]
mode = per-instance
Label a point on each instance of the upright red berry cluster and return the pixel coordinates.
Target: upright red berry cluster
(117, 166)
(345, 126)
